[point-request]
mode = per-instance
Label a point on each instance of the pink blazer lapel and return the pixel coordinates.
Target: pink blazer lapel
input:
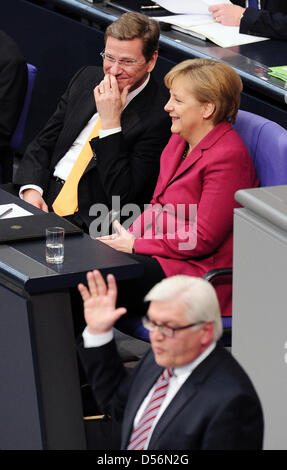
(170, 161)
(171, 166)
(186, 164)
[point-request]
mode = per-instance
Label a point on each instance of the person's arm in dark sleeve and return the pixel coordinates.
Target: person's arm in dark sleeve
(105, 372)
(264, 23)
(128, 170)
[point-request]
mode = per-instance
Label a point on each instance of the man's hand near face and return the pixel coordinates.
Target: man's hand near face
(110, 101)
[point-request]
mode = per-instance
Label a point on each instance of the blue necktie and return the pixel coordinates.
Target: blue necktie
(253, 4)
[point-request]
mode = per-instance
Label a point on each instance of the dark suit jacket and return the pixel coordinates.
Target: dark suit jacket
(216, 408)
(270, 21)
(125, 164)
(13, 85)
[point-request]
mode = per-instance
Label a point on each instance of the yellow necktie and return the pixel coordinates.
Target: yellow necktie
(66, 203)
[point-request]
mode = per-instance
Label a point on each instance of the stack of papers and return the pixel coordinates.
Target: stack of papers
(192, 17)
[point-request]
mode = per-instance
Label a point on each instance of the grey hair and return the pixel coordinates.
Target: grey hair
(196, 294)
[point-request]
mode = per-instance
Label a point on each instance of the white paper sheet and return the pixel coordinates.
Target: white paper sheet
(226, 36)
(185, 21)
(197, 7)
(205, 27)
(17, 211)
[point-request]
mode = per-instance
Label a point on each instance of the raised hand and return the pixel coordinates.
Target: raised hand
(99, 301)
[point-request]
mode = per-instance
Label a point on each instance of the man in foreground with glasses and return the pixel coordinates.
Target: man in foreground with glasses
(187, 392)
(113, 118)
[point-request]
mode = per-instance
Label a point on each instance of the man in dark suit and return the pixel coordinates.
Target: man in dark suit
(208, 403)
(256, 17)
(134, 128)
(13, 85)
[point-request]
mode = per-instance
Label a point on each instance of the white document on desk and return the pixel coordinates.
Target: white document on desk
(186, 21)
(226, 36)
(17, 211)
(205, 27)
(197, 7)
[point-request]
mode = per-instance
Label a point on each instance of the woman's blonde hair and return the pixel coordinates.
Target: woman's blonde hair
(211, 82)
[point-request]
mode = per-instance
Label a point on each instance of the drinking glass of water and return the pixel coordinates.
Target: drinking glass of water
(55, 245)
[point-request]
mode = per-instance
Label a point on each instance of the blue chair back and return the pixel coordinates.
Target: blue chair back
(19, 131)
(267, 144)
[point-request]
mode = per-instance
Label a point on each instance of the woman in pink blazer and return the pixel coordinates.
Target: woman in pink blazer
(188, 226)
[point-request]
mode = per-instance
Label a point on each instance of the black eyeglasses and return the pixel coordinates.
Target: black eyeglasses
(165, 330)
(122, 62)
